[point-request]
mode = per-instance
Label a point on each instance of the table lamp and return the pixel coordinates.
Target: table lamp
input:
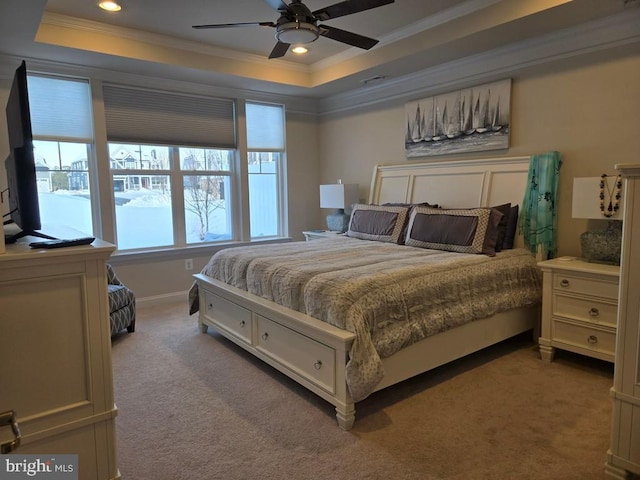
(599, 198)
(338, 196)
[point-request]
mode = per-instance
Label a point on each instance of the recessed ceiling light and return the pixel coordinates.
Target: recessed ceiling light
(299, 50)
(110, 5)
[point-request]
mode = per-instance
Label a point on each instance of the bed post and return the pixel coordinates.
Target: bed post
(346, 415)
(345, 407)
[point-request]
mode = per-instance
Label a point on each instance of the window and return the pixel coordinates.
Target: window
(171, 162)
(144, 197)
(170, 165)
(265, 153)
(62, 125)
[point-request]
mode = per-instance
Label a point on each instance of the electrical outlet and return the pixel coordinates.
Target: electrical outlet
(188, 264)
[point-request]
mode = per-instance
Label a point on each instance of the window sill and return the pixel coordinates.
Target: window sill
(186, 251)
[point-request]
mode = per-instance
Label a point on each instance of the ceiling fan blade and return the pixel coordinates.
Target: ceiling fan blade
(279, 50)
(349, 38)
(347, 8)
(227, 25)
(278, 5)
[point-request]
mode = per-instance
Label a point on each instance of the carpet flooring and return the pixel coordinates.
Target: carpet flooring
(196, 406)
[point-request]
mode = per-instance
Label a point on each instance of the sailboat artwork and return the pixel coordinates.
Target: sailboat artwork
(468, 120)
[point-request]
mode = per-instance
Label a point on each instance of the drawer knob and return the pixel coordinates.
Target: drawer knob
(592, 339)
(242, 324)
(317, 365)
(594, 312)
(265, 335)
(210, 306)
(564, 283)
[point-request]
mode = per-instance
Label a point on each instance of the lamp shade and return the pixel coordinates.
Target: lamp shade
(339, 195)
(586, 198)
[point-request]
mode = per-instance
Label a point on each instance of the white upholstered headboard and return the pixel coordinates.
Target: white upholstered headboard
(453, 184)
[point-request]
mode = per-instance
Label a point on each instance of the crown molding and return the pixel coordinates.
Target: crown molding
(294, 104)
(602, 34)
(78, 24)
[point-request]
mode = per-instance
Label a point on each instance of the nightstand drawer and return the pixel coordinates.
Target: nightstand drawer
(584, 337)
(585, 286)
(585, 309)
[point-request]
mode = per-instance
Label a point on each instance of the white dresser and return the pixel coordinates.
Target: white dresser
(579, 308)
(623, 457)
(55, 354)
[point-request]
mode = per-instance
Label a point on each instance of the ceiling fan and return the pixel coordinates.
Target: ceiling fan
(297, 24)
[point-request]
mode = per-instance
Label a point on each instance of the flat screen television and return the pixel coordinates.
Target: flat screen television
(22, 184)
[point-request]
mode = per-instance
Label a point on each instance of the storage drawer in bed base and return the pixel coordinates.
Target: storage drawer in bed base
(228, 316)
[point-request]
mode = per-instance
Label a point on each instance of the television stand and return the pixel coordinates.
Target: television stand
(13, 237)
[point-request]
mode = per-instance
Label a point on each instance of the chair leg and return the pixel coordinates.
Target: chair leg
(132, 327)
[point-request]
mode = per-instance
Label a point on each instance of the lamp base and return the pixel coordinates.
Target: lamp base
(603, 246)
(338, 221)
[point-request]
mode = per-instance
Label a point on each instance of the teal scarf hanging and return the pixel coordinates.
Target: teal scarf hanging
(539, 207)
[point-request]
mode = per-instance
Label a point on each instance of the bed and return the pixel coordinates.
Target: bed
(351, 315)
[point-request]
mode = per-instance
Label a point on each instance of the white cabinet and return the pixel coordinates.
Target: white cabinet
(623, 457)
(55, 354)
(579, 308)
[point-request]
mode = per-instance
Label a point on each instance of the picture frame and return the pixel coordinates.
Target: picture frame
(467, 120)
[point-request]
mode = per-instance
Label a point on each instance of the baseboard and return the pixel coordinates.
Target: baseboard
(167, 298)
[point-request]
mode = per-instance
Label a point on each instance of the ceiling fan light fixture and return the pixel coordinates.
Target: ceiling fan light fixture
(297, 32)
(299, 49)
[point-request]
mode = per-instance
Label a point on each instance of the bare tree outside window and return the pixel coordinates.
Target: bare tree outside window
(204, 194)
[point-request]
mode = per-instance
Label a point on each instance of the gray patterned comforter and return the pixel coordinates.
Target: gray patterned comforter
(389, 295)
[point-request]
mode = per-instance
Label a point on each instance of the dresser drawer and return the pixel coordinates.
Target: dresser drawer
(585, 286)
(593, 339)
(228, 316)
(585, 309)
(312, 360)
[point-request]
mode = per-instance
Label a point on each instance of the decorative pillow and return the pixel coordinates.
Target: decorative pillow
(403, 235)
(456, 230)
(504, 209)
(378, 222)
(512, 224)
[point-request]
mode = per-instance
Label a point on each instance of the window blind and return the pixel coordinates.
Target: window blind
(60, 108)
(136, 115)
(265, 126)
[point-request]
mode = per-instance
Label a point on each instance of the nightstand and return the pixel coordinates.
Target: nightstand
(579, 308)
(316, 234)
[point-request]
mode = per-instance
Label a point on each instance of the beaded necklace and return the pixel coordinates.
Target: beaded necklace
(612, 208)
